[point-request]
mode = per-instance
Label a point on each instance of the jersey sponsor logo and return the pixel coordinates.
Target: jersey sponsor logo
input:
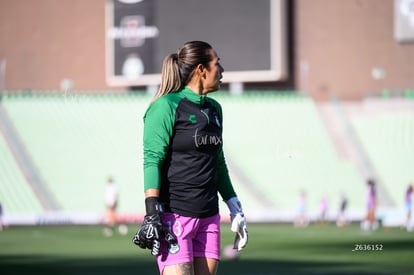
(192, 119)
(201, 140)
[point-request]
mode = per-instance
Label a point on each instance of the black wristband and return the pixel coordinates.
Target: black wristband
(152, 205)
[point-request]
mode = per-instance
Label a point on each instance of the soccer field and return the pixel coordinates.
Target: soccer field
(272, 249)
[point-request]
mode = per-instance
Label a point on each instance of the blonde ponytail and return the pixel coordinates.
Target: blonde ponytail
(170, 78)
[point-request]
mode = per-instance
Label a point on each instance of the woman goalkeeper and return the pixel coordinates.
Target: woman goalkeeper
(184, 167)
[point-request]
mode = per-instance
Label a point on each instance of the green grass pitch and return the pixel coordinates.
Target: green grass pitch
(272, 249)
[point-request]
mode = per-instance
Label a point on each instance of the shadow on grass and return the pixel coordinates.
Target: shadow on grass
(55, 265)
(250, 267)
(106, 266)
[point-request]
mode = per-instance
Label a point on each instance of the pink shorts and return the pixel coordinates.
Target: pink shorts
(197, 237)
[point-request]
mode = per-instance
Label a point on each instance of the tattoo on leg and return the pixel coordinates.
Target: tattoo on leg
(186, 268)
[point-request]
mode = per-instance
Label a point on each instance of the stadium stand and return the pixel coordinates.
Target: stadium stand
(386, 130)
(16, 195)
(78, 141)
(280, 144)
(275, 146)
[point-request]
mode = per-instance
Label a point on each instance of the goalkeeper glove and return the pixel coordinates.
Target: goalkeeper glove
(238, 223)
(149, 235)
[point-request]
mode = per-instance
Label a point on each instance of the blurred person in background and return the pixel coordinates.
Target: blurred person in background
(408, 207)
(111, 203)
(1, 217)
(341, 218)
(301, 220)
(184, 167)
(324, 204)
(370, 221)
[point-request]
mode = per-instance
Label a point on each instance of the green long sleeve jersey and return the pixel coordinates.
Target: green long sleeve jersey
(183, 153)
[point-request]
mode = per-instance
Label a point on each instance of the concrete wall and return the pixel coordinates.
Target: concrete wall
(46, 41)
(338, 44)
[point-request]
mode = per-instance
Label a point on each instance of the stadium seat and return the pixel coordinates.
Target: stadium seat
(388, 139)
(16, 195)
(275, 146)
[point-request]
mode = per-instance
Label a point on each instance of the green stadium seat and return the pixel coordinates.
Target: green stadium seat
(16, 195)
(388, 139)
(275, 146)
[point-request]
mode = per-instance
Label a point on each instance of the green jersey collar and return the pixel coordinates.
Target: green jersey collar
(193, 96)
